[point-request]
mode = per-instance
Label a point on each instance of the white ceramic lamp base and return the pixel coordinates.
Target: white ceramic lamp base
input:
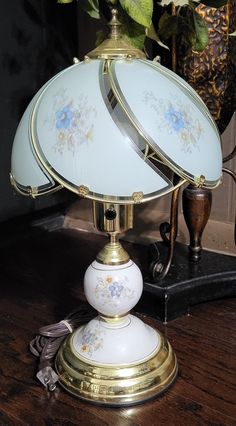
(115, 359)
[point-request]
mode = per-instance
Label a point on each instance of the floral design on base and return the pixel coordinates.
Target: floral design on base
(91, 340)
(176, 118)
(72, 121)
(112, 291)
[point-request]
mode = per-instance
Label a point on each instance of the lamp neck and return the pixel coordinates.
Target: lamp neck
(112, 219)
(113, 253)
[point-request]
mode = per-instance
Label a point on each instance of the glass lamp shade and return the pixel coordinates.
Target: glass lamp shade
(26, 172)
(172, 118)
(110, 130)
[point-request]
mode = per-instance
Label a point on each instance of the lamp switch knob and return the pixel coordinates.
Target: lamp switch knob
(110, 214)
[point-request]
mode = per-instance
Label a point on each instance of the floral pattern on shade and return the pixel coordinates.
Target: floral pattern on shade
(72, 121)
(111, 290)
(91, 340)
(177, 119)
(64, 117)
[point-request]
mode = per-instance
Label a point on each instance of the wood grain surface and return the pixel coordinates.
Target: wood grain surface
(42, 281)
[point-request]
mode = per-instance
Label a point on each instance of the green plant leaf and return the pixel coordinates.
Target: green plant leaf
(188, 35)
(201, 31)
(152, 34)
(214, 3)
(132, 32)
(91, 7)
(100, 37)
(64, 1)
(139, 10)
(168, 26)
(135, 38)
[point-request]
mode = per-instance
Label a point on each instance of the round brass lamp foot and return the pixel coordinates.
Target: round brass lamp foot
(116, 384)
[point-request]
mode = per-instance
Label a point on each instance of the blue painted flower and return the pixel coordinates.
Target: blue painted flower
(115, 289)
(87, 336)
(175, 119)
(63, 117)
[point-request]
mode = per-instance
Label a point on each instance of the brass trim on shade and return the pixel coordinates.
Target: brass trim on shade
(137, 197)
(115, 384)
(184, 174)
(83, 191)
(75, 188)
(78, 189)
(30, 191)
(115, 49)
(200, 181)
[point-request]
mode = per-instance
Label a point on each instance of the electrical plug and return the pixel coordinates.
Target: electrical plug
(48, 378)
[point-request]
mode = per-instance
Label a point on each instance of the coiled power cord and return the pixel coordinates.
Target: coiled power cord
(49, 339)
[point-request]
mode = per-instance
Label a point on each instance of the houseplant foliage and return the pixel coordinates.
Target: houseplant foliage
(175, 18)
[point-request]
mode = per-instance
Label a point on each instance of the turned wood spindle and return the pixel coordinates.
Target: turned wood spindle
(196, 210)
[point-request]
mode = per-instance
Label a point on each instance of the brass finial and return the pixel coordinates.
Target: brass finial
(115, 46)
(115, 25)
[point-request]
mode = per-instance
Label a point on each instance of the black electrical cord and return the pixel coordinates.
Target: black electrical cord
(49, 339)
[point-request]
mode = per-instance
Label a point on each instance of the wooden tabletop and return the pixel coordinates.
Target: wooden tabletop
(42, 281)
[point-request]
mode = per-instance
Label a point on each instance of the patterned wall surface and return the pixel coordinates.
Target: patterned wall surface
(212, 72)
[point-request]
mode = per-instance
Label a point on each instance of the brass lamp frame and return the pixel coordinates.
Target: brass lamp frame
(115, 384)
(137, 381)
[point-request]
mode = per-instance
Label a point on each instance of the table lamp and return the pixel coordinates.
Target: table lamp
(120, 130)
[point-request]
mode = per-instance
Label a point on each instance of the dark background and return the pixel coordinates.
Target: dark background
(38, 38)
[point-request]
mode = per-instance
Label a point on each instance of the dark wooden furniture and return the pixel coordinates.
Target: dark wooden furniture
(189, 283)
(41, 281)
(181, 276)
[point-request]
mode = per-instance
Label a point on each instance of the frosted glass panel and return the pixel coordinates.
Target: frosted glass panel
(171, 117)
(81, 144)
(24, 167)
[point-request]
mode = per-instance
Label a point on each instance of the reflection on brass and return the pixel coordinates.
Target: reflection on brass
(116, 385)
(30, 191)
(113, 254)
(115, 26)
(113, 219)
(33, 191)
(199, 181)
(87, 59)
(113, 320)
(83, 191)
(137, 197)
(115, 47)
(212, 72)
(173, 43)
